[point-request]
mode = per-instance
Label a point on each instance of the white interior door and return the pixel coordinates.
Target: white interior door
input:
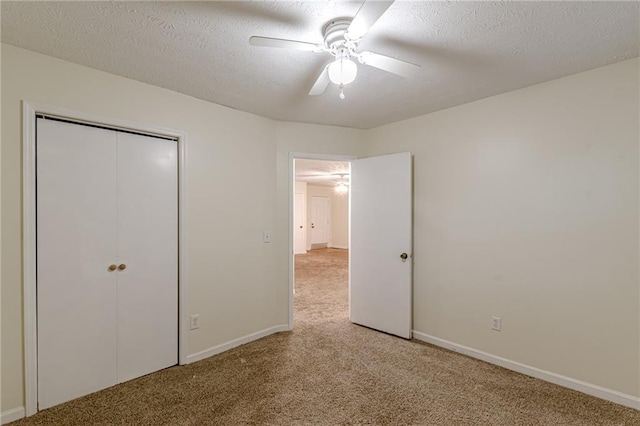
(319, 220)
(76, 244)
(381, 235)
(300, 241)
(148, 248)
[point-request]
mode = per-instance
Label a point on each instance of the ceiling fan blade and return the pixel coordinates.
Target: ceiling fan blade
(285, 44)
(369, 13)
(321, 83)
(392, 65)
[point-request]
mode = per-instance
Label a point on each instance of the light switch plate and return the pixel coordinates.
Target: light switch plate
(195, 321)
(266, 237)
(496, 323)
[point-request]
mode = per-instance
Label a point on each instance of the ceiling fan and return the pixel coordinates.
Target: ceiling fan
(341, 39)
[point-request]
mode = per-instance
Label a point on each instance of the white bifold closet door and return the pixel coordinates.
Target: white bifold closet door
(104, 198)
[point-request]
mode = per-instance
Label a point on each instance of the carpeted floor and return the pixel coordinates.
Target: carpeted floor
(329, 371)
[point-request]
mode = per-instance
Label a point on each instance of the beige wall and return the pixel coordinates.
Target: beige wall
(237, 284)
(340, 220)
(526, 207)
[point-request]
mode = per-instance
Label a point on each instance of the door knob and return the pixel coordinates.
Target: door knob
(122, 267)
(112, 268)
(404, 256)
(301, 227)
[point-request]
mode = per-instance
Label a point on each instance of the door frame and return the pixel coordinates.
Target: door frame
(292, 194)
(29, 111)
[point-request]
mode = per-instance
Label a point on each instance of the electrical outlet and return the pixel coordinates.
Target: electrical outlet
(496, 323)
(266, 237)
(195, 321)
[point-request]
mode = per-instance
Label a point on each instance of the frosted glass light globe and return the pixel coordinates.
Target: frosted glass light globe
(342, 71)
(342, 188)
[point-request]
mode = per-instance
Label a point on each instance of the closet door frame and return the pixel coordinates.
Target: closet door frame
(29, 112)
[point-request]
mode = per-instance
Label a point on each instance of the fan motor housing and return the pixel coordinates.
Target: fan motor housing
(334, 31)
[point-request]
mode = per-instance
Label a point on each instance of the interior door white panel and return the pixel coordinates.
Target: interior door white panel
(381, 230)
(76, 243)
(300, 243)
(148, 246)
(319, 220)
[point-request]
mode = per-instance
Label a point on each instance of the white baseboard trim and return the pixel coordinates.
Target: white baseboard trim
(339, 247)
(567, 382)
(236, 342)
(12, 415)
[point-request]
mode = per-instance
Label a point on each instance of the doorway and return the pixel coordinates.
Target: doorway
(380, 258)
(320, 235)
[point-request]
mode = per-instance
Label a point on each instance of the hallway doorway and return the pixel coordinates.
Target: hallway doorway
(321, 240)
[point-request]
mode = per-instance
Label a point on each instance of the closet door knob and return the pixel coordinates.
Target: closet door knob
(122, 267)
(112, 268)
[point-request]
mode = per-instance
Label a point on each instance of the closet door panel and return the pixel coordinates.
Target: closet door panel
(76, 243)
(148, 246)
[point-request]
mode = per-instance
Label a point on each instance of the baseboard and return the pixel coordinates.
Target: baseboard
(567, 382)
(339, 247)
(236, 342)
(12, 415)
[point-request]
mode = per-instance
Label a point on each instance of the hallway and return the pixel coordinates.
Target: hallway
(322, 288)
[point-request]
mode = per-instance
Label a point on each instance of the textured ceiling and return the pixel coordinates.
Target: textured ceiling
(467, 50)
(321, 172)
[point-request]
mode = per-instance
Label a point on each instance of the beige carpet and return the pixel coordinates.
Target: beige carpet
(329, 371)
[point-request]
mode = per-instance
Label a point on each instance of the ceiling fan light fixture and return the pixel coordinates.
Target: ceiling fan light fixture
(342, 188)
(342, 37)
(342, 71)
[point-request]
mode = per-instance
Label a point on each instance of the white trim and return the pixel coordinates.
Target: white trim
(183, 280)
(11, 415)
(29, 111)
(292, 194)
(339, 247)
(29, 258)
(223, 347)
(567, 382)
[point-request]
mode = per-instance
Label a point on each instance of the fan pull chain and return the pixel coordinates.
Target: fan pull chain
(341, 95)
